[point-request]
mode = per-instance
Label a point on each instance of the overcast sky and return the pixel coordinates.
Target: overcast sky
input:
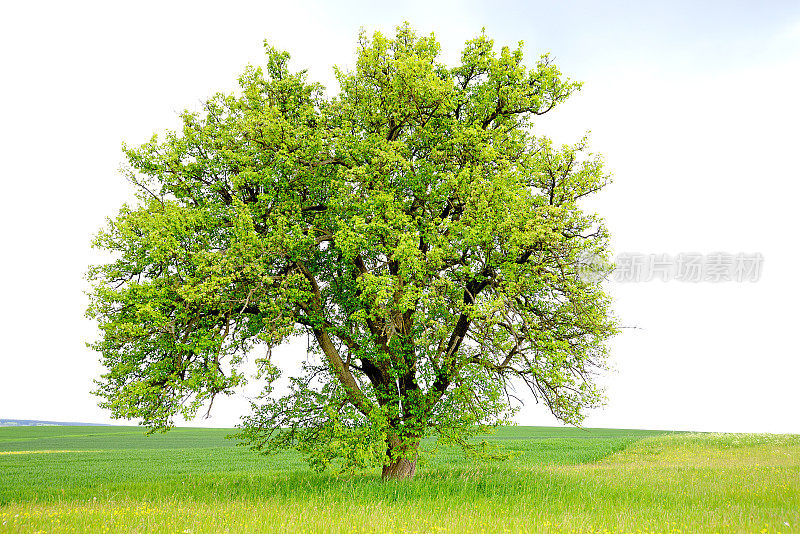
(695, 108)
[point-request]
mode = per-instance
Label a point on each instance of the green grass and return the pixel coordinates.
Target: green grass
(558, 480)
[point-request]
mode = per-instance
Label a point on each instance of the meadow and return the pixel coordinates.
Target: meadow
(116, 479)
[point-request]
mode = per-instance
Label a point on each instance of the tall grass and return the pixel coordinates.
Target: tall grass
(559, 480)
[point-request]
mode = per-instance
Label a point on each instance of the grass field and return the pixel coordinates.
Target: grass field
(115, 479)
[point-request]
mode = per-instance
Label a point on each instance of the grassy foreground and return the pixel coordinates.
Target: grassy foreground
(114, 479)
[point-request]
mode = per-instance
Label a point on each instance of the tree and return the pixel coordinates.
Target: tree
(413, 226)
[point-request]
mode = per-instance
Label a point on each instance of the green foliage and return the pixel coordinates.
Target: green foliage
(412, 225)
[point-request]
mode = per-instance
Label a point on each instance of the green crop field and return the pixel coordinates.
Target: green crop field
(116, 479)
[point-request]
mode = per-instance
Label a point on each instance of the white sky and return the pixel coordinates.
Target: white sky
(694, 108)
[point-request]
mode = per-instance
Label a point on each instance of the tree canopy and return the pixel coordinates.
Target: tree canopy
(414, 226)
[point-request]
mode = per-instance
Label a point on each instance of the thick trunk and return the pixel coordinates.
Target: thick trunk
(401, 460)
(400, 468)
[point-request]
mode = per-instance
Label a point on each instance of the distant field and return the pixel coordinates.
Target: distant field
(115, 479)
(34, 422)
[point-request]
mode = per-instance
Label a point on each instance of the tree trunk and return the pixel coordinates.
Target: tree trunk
(400, 468)
(401, 458)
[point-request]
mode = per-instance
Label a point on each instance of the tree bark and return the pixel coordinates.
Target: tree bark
(399, 469)
(401, 459)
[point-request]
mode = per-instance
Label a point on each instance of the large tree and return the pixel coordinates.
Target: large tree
(413, 226)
